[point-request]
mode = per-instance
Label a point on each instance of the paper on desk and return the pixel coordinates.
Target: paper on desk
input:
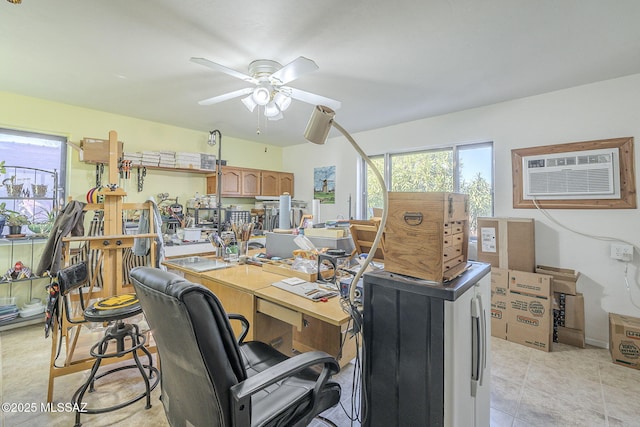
(293, 281)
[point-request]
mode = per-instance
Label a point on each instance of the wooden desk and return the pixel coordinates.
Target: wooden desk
(284, 320)
(316, 325)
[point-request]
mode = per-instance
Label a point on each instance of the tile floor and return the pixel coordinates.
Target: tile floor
(567, 387)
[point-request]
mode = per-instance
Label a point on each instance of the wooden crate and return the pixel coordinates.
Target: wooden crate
(427, 234)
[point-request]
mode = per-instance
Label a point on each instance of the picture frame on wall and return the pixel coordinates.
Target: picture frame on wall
(324, 184)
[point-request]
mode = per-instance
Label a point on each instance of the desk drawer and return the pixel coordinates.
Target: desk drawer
(279, 312)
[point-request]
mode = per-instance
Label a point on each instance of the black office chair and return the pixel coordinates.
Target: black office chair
(209, 379)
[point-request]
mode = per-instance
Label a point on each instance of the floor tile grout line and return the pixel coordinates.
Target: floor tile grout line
(522, 388)
(604, 401)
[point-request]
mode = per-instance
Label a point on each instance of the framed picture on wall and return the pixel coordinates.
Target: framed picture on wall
(324, 184)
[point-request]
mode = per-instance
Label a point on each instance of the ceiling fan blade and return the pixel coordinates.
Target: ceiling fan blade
(226, 70)
(293, 70)
(312, 98)
(226, 96)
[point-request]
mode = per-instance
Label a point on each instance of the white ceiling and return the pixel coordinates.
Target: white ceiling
(387, 61)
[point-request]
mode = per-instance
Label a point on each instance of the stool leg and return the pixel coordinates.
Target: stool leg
(104, 344)
(145, 351)
(142, 372)
(79, 394)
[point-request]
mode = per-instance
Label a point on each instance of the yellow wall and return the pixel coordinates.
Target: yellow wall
(36, 115)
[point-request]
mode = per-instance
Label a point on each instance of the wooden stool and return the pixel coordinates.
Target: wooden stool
(115, 309)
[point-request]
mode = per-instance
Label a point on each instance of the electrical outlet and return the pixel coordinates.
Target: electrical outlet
(622, 252)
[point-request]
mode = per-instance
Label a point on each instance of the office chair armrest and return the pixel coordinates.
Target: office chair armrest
(241, 393)
(245, 325)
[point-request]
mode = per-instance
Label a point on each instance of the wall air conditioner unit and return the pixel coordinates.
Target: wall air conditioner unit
(591, 174)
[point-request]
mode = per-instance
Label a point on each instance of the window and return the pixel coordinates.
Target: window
(464, 168)
(30, 191)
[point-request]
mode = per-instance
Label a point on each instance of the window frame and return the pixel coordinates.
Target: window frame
(61, 171)
(361, 182)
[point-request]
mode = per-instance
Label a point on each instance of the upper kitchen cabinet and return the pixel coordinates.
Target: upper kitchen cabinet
(270, 182)
(250, 182)
(245, 182)
(286, 183)
(276, 183)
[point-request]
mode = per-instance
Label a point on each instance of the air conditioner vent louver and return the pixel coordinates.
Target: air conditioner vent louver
(579, 175)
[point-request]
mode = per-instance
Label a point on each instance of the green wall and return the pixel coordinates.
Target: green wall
(36, 115)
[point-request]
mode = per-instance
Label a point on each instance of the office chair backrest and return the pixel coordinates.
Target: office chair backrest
(199, 356)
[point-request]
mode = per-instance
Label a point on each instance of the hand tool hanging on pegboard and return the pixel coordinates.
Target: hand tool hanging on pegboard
(99, 173)
(141, 174)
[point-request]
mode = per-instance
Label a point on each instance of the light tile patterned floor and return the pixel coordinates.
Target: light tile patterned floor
(566, 387)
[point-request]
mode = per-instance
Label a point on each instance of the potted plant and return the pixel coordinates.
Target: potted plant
(15, 220)
(41, 224)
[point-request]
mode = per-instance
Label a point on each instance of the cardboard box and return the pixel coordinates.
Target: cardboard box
(507, 243)
(574, 337)
(499, 302)
(570, 310)
(530, 283)
(624, 340)
(564, 279)
(97, 150)
(529, 312)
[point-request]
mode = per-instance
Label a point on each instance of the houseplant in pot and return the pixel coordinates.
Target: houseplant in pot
(15, 220)
(42, 223)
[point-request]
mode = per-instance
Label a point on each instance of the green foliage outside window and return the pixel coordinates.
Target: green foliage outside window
(431, 171)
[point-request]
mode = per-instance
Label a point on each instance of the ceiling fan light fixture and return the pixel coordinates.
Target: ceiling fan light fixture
(261, 95)
(282, 101)
(249, 103)
(271, 110)
(278, 116)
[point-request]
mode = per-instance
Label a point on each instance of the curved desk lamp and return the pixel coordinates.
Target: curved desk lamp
(317, 131)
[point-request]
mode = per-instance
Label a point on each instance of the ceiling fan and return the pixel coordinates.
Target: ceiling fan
(269, 91)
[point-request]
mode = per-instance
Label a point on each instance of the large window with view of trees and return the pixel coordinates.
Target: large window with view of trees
(464, 168)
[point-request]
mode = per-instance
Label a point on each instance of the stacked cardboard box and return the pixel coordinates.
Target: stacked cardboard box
(499, 302)
(529, 312)
(185, 160)
(568, 306)
(624, 340)
(555, 309)
(507, 243)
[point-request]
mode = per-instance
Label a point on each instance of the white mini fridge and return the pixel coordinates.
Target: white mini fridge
(427, 350)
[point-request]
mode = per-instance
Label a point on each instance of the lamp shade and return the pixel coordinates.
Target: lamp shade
(249, 103)
(319, 124)
(261, 95)
(271, 109)
(278, 116)
(282, 101)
